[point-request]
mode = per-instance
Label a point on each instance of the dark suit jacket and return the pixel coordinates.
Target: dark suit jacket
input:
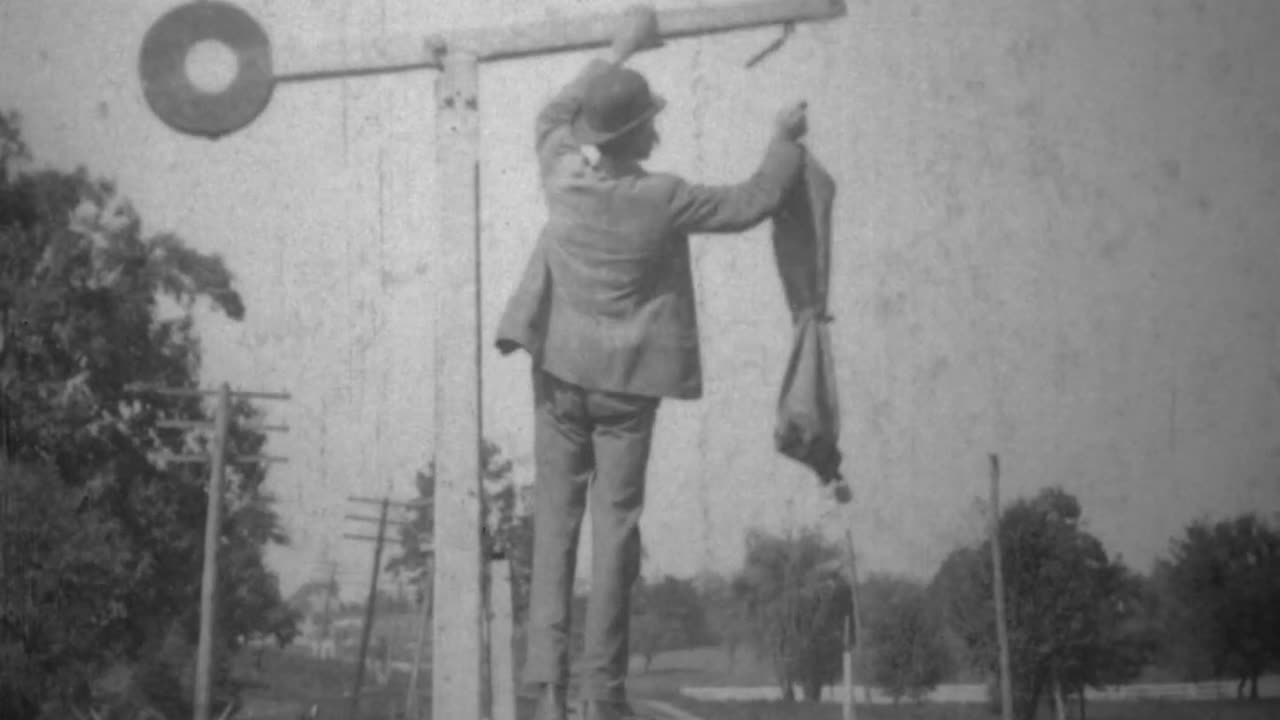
(606, 300)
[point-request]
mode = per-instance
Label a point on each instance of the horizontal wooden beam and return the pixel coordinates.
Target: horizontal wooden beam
(239, 459)
(203, 458)
(420, 502)
(368, 518)
(208, 425)
(598, 30)
(255, 427)
(377, 55)
(186, 458)
(147, 389)
(427, 549)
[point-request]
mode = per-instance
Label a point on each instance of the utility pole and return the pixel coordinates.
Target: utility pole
(460, 600)
(6, 463)
(1002, 632)
(501, 635)
(8, 454)
(212, 533)
(413, 694)
(368, 611)
(852, 629)
(217, 459)
(326, 615)
(379, 540)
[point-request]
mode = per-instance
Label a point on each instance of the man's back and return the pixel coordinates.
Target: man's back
(610, 238)
(607, 301)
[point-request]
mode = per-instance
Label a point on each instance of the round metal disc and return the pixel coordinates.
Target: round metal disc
(171, 94)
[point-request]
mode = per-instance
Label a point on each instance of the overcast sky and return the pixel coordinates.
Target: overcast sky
(1056, 240)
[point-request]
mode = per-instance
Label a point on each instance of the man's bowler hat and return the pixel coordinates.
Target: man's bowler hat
(615, 101)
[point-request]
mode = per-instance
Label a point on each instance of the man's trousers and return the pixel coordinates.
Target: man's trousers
(588, 445)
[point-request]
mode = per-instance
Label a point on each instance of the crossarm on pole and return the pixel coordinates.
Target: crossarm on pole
(400, 53)
(590, 31)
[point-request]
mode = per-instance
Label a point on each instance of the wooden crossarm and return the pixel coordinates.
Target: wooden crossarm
(397, 53)
(589, 31)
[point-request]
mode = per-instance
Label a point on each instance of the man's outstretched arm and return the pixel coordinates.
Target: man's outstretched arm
(734, 208)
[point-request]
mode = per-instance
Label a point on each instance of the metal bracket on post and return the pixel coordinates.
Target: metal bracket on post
(787, 30)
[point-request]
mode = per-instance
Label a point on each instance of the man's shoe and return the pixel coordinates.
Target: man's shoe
(608, 710)
(552, 704)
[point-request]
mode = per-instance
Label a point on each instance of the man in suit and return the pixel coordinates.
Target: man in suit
(606, 310)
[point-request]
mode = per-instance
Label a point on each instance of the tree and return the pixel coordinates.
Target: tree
(726, 620)
(796, 601)
(101, 543)
(1224, 596)
(666, 615)
(508, 527)
(908, 656)
(1075, 616)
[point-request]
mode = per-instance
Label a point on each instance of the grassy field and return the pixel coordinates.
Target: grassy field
(710, 667)
(1146, 710)
(291, 681)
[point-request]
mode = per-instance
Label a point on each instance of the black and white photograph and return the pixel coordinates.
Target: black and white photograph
(619, 360)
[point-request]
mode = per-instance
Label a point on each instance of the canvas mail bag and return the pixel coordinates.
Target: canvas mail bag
(808, 423)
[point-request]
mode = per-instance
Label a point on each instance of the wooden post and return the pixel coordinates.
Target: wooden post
(457, 628)
(354, 706)
(501, 636)
(413, 700)
(1059, 708)
(209, 581)
(847, 704)
(5, 468)
(852, 644)
(326, 614)
(1002, 632)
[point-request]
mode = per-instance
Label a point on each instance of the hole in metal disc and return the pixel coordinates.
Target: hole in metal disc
(211, 66)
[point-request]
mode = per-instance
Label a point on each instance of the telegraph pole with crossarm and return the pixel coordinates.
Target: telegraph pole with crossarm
(379, 541)
(217, 459)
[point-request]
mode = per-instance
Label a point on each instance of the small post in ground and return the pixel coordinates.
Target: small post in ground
(1002, 632)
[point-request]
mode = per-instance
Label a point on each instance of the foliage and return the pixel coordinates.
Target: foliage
(666, 615)
(904, 637)
(509, 531)
(1222, 583)
(727, 623)
(796, 601)
(102, 542)
(1074, 616)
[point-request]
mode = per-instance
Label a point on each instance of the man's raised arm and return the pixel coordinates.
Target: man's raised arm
(638, 31)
